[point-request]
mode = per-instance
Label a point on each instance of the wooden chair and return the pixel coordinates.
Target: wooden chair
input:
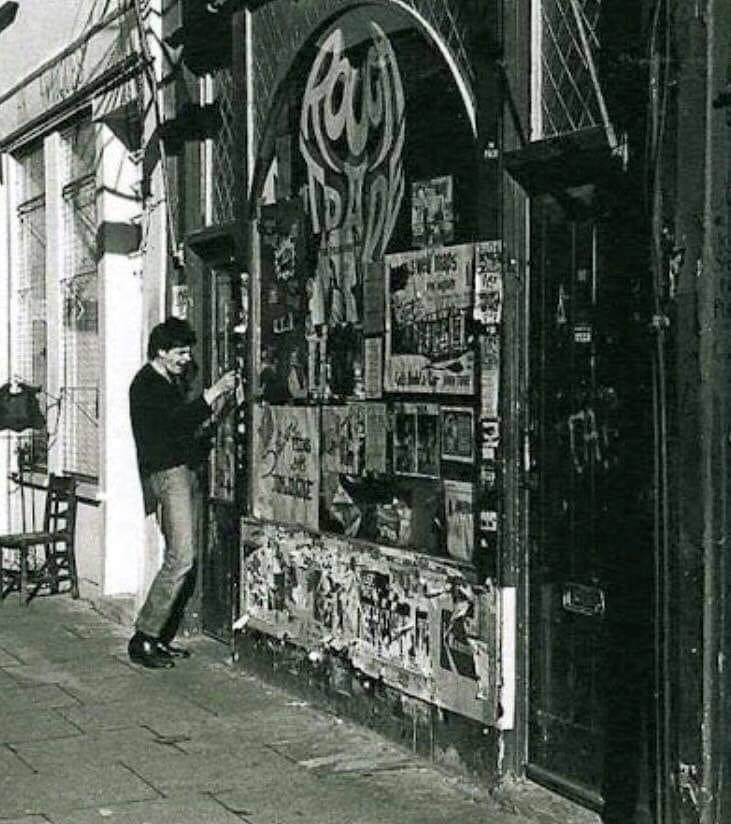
(57, 541)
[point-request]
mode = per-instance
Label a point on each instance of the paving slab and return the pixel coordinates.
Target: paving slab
(43, 671)
(72, 787)
(35, 725)
(128, 746)
(179, 774)
(255, 730)
(133, 712)
(34, 696)
(8, 658)
(119, 685)
(12, 765)
(336, 746)
(191, 811)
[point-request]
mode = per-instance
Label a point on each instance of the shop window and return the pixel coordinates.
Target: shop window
(366, 383)
(29, 320)
(80, 321)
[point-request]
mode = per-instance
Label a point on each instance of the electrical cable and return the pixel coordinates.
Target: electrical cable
(148, 62)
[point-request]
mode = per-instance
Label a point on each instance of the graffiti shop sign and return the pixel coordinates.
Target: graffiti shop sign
(287, 464)
(352, 133)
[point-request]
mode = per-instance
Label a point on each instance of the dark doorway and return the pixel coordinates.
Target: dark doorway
(591, 583)
(221, 547)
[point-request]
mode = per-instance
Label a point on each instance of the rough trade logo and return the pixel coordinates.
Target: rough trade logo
(352, 133)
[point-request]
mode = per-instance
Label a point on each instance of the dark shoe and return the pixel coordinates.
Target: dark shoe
(169, 651)
(143, 650)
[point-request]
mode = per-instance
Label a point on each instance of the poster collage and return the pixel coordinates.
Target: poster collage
(376, 415)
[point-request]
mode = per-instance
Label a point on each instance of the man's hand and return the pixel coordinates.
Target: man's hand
(223, 386)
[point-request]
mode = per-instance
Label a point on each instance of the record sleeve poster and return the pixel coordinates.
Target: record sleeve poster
(287, 464)
(428, 301)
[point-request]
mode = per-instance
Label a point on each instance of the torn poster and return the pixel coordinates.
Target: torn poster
(287, 464)
(428, 300)
(488, 282)
(459, 514)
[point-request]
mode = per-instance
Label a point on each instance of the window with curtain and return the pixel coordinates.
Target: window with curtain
(80, 317)
(29, 287)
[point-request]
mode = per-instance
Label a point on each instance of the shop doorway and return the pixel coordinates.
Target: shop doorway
(591, 643)
(220, 549)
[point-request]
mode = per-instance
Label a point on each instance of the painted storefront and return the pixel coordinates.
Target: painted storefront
(373, 466)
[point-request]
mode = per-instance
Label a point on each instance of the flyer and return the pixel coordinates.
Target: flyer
(432, 212)
(459, 514)
(428, 304)
(416, 439)
(458, 434)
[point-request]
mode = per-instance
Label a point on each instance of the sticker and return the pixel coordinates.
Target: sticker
(488, 520)
(488, 283)
(373, 367)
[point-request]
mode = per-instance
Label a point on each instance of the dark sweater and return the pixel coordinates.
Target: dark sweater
(163, 421)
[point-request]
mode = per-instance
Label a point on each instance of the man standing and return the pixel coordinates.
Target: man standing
(164, 423)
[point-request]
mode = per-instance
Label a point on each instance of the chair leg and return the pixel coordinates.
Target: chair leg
(73, 573)
(23, 573)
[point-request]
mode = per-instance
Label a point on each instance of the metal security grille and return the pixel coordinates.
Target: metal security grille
(81, 355)
(568, 40)
(222, 155)
(277, 44)
(28, 327)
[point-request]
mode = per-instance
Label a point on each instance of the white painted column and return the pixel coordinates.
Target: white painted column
(121, 320)
(55, 265)
(6, 207)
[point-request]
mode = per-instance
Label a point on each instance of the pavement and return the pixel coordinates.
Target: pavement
(87, 737)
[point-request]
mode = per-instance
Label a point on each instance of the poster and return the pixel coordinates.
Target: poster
(459, 515)
(374, 299)
(416, 439)
(490, 374)
(432, 212)
(287, 464)
(353, 438)
(353, 461)
(284, 363)
(428, 302)
(488, 282)
(458, 434)
(373, 367)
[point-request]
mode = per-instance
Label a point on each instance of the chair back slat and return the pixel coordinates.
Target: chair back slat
(60, 511)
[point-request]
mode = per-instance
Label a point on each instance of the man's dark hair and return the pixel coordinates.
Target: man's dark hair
(170, 334)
